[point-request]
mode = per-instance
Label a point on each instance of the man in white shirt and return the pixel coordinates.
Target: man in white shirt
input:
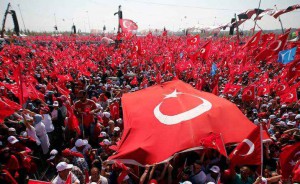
(64, 170)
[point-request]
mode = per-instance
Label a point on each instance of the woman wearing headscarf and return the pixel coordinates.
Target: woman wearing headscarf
(41, 132)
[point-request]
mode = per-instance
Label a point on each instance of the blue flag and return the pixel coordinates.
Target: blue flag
(213, 69)
(287, 56)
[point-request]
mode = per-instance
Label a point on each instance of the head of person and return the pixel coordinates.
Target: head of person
(186, 174)
(197, 166)
(245, 172)
(37, 118)
(80, 144)
(214, 171)
(63, 169)
(82, 95)
(55, 105)
(95, 174)
(12, 131)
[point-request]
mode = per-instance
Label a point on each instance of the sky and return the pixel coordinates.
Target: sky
(40, 15)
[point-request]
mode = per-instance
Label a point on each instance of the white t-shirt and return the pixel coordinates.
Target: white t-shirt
(32, 133)
(58, 180)
(101, 180)
(48, 122)
(54, 114)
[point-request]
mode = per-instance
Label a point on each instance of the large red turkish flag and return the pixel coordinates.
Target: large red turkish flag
(128, 25)
(165, 119)
(288, 158)
(249, 150)
(7, 108)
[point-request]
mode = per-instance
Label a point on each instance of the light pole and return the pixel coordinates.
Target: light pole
(87, 12)
(22, 18)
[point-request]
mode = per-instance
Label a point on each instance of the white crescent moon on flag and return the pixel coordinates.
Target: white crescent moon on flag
(265, 89)
(202, 50)
(278, 46)
(194, 40)
(251, 147)
(283, 88)
(249, 93)
(125, 24)
(291, 96)
(184, 116)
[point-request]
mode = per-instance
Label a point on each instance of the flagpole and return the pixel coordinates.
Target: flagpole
(262, 150)
(223, 142)
(237, 29)
(280, 21)
(256, 15)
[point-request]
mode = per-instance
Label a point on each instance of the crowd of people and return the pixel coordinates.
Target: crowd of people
(70, 90)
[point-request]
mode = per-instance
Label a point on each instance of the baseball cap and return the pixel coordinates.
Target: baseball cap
(105, 142)
(55, 104)
(61, 166)
(12, 139)
(80, 142)
(53, 154)
(297, 116)
(215, 169)
(102, 134)
(117, 129)
(11, 129)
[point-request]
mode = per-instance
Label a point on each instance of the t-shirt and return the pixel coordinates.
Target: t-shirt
(101, 180)
(86, 107)
(58, 180)
(238, 180)
(32, 134)
(48, 122)
(199, 178)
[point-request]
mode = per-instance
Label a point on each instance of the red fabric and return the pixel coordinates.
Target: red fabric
(86, 107)
(7, 108)
(283, 11)
(69, 179)
(9, 178)
(248, 93)
(288, 158)
(87, 177)
(232, 89)
(134, 81)
(73, 123)
(289, 96)
(263, 90)
(128, 25)
(12, 164)
(253, 41)
(249, 150)
(38, 182)
(114, 110)
(296, 173)
(194, 40)
(214, 141)
(147, 129)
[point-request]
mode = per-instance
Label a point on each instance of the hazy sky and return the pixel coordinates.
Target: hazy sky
(38, 15)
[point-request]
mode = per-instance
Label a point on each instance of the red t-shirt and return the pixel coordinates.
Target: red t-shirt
(86, 107)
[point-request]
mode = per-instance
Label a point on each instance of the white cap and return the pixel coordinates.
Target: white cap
(80, 142)
(291, 123)
(11, 129)
(61, 166)
(106, 114)
(297, 116)
(117, 129)
(215, 169)
(188, 182)
(105, 142)
(272, 116)
(264, 120)
(120, 121)
(53, 153)
(55, 104)
(12, 139)
(102, 134)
